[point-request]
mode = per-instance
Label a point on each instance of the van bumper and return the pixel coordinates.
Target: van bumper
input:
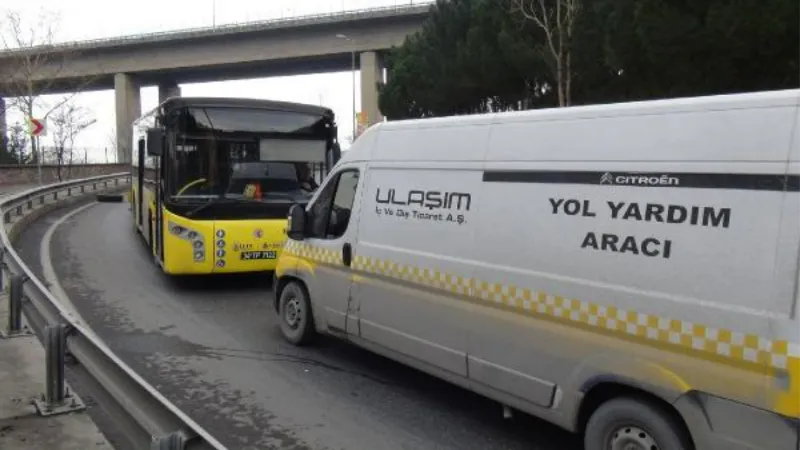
(720, 424)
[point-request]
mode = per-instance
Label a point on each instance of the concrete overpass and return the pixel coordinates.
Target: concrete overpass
(300, 45)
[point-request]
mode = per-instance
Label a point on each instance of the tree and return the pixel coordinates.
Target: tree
(475, 56)
(31, 66)
(469, 57)
(556, 18)
(670, 48)
(16, 146)
(111, 146)
(68, 122)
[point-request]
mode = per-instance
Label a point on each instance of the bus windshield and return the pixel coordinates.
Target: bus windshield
(241, 153)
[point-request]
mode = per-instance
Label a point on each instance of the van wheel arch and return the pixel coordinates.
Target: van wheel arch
(280, 284)
(296, 313)
(603, 392)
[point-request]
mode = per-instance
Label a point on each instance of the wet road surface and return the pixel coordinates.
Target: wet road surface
(211, 345)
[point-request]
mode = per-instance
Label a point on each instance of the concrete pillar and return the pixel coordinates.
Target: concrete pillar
(371, 76)
(168, 89)
(128, 108)
(3, 124)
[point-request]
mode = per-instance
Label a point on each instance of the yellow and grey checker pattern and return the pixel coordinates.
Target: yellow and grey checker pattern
(412, 274)
(679, 334)
(321, 255)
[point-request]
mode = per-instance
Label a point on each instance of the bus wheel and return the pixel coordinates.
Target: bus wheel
(294, 308)
(630, 424)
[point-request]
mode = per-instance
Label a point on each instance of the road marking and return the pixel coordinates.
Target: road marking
(48, 271)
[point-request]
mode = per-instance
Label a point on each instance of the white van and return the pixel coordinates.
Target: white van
(627, 271)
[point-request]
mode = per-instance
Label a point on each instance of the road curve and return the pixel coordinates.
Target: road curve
(212, 347)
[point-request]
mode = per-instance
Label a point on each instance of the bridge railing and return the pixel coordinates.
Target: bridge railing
(146, 417)
(188, 33)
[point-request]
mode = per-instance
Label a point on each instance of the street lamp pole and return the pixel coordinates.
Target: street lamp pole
(353, 74)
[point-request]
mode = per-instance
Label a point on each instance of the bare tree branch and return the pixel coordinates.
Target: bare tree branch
(556, 19)
(31, 67)
(111, 145)
(68, 122)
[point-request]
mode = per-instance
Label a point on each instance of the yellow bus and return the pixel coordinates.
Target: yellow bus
(214, 178)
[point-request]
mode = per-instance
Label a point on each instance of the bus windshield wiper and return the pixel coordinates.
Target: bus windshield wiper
(220, 201)
(213, 201)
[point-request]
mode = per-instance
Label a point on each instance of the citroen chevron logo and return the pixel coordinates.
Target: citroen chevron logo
(607, 178)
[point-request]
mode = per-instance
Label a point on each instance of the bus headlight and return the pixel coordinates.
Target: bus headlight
(220, 243)
(197, 244)
(220, 253)
(220, 263)
(220, 233)
(199, 255)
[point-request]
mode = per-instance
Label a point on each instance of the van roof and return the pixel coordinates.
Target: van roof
(788, 97)
(735, 131)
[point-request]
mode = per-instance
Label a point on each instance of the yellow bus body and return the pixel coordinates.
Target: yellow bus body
(228, 246)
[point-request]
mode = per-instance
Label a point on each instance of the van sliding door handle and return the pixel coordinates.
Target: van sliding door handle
(347, 254)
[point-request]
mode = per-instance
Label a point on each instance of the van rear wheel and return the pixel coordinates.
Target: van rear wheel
(630, 424)
(297, 320)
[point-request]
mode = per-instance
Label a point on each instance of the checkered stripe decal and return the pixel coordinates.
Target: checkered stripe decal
(317, 254)
(428, 277)
(719, 342)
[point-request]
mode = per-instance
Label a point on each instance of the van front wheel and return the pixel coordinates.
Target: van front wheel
(294, 308)
(629, 424)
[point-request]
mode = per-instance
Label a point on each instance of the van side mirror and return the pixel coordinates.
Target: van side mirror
(296, 229)
(155, 142)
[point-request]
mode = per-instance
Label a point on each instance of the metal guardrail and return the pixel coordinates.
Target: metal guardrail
(142, 413)
(188, 33)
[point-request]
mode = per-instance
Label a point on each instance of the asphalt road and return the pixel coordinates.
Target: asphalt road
(211, 345)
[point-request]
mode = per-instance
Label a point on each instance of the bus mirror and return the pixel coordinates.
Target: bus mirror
(297, 223)
(155, 142)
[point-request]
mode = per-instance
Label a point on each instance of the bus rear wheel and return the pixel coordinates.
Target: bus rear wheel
(630, 424)
(296, 318)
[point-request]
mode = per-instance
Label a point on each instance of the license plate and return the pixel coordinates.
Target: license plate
(246, 256)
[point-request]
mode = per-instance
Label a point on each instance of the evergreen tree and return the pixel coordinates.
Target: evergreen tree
(474, 56)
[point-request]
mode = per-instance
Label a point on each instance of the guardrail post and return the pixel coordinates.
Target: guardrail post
(174, 441)
(15, 304)
(69, 192)
(57, 398)
(15, 327)
(3, 269)
(56, 343)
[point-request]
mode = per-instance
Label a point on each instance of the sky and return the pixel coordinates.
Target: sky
(92, 19)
